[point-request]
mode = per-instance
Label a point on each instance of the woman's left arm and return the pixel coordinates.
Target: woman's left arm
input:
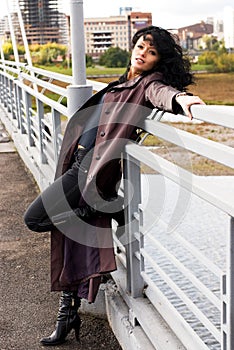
(186, 101)
(170, 99)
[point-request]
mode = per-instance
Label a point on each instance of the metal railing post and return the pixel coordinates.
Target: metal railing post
(1, 88)
(5, 93)
(28, 106)
(18, 99)
(223, 285)
(132, 191)
(56, 125)
(12, 99)
(40, 114)
(230, 287)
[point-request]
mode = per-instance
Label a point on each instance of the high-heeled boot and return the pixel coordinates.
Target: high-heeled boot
(67, 320)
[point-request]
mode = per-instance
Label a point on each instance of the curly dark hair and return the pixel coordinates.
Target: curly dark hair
(173, 64)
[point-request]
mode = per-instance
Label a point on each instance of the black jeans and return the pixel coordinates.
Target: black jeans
(61, 196)
(58, 203)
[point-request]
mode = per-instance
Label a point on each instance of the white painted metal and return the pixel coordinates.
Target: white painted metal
(205, 147)
(221, 115)
(230, 289)
(78, 92)
(185, 179)
(13, 38)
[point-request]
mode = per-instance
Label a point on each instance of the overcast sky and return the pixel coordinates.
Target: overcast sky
(166, 13)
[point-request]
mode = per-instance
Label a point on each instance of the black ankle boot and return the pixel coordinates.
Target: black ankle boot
(67, 320)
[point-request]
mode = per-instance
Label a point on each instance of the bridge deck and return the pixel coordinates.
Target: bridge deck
(28, 308)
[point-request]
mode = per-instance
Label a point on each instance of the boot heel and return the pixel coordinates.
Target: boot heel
(67, 320)
(77, 328)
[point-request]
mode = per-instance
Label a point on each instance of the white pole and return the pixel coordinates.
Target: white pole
(78, 92)
(23, 33)
(15, 50)
(77, 42)
(25, 41)
(2, 55)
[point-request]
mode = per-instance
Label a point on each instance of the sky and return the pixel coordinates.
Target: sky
(168, 14)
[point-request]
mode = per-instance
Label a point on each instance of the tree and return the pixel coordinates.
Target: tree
(89, 61)
(114, 57)
(47, 53)
(213, 44)
(7, 50)
(219, 60)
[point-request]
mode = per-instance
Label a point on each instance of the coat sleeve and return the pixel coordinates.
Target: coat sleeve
(161, 96)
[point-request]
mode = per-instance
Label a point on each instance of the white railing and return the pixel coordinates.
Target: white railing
(148, 260)
(36, 123)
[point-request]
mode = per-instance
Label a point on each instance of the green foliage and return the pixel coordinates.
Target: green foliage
(213, 44)
(221, 61)
(114, 57)
(208, 57)
(7, 50)
(48, 53)
(21, 49)
(225, 63)
(41, 54)
(201, 67)
(89, 61)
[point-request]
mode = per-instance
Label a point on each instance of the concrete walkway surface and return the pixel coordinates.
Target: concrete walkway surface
(28, 308)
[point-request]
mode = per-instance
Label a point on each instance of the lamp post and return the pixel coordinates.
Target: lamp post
(78, 92)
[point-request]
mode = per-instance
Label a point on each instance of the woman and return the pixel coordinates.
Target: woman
(79, 206)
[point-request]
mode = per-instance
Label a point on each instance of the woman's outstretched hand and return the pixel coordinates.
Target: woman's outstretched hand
(186, 101)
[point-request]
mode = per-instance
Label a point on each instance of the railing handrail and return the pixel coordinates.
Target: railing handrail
(12, 63)
(185, 179)
(214, 114)
(49, 86)
(195, 143)
(50, 74)
(48, 101)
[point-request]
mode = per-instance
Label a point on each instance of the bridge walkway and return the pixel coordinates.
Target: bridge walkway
(28, 309)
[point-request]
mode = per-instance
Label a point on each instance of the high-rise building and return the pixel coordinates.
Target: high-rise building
(102, 33)
(228, 27)
(42, 20)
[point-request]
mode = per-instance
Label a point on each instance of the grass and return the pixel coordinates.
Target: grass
(202, 67)
(98, 70)
(214, 88)
(104, 71)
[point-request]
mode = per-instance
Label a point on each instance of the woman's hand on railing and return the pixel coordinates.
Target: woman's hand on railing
(186, 101)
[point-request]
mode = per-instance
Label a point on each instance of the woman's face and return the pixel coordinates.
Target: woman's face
(144, 55)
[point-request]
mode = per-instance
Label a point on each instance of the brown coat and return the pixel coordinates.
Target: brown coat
(85, 252)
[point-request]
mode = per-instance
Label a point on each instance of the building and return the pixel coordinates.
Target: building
(228, 27)
(190, 36)
(218, 28)
(115, 31)
(43, 22)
